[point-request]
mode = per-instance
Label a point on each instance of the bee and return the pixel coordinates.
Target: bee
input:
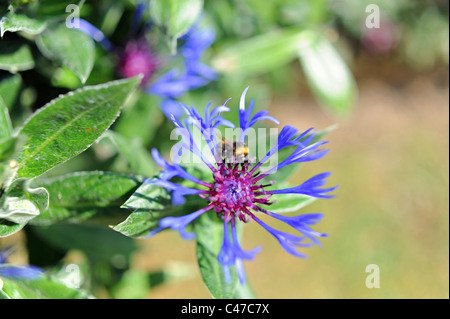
(233, 151)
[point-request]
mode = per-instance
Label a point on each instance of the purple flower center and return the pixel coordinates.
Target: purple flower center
(137, 58)
(235, 191)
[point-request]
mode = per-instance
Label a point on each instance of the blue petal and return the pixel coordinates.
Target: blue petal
(231, 253)
(171, 107)
(311, 187)
(180, 223)
(20, 272)
(178, 191)
(95, 34)
(137, 17)
(300, 223)
(288, 242)
(5, 253)
(171, 170)
(245, 120)
(301, 154)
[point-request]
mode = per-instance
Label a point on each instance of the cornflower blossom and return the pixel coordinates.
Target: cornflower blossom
(138, 56)
(236, 192)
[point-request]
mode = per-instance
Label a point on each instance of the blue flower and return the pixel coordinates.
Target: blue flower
(196, 41)
(137, 56)
(17, 272)
(235, 192)
(231, 253)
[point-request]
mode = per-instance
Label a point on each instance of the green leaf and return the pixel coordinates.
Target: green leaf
(209, 230)
(5, 121)
(7, 148)
(139, 160)
(70, 47)
(327, 74)
(133, 285)
(19, 22)
(149, 197)
(15, 56)
(259, 54)
(21, 203)
(244, 291)
(69, 124)
(77, 196)
(175, 17)
(8, 228)
(18, 210)
(52, 8)
(150, 203)
(66, 78)
(289, 203)
(136, 284)
(140, 223)
(10, 88)
(42, 287)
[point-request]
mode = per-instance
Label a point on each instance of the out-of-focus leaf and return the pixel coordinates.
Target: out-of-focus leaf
(112, 18)
(7, 148)
(209, 231)
(175, 17)
(133, 285)
(149, 203)
(18, 210)
(5, 122)
(19, 22)
(137, 284)
(77, 196)
(69, 124)
(65, 77)
(96, 241)
(139, 160)
(15, 56)
(53, 8)
(70, 47)
(42, 287)
(327, 74)
(9, 89)
(259, 54)
(142, 119)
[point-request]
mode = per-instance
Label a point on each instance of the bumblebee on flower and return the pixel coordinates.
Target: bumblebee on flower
(237, 191)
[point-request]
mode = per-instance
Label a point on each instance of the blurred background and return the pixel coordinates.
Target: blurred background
(389, 153)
